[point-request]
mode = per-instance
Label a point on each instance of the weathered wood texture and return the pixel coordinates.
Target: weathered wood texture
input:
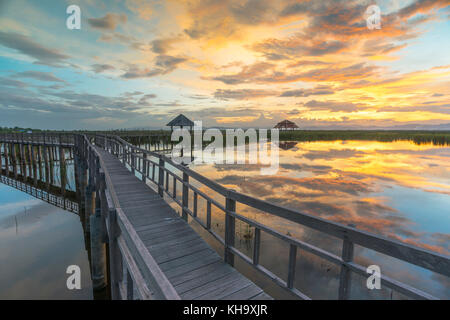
(194, 269)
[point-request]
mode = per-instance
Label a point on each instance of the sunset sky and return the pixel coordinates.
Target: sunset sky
(230, 63)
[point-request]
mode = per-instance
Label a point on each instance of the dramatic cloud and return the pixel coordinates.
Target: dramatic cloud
(243, 94)
(109, 22)
(163, 64)
(99, 68)
(320, 90)
(38, 75)
(26, 46)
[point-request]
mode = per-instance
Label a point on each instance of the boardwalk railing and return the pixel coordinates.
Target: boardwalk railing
(40, 194)
(156, 168)
(44, 138)
(127, 250)
(130, 262)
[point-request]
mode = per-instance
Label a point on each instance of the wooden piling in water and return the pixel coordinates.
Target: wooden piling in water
(62, 169)
(14, 159)
(47, 166)
(39, 159)
(33, 161)
(6, 156)
(22, 160)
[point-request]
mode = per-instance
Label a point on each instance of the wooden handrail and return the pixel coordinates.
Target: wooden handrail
(427, 259)
(139, 159)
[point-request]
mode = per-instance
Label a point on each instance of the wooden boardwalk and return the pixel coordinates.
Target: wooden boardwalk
(194, 269)
(142, 249)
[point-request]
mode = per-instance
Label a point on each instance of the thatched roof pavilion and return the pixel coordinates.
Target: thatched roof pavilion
(180, 121)
(286, 125)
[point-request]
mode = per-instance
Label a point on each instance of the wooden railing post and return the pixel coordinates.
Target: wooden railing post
(230, 225)
(292, 264)
(185, 196)
(144, 168)
(133, 160)
(161, 177)
(345, 276)
(115, 257)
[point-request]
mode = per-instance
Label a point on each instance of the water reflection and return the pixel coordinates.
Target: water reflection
(397, 189)
(37, 243)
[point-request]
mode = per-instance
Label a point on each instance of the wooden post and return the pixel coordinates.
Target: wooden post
(22, 160)
(30, 160)
(14, 159)
(230, 225)
(33, 161)
(345, 276)
(5, 151)
(144, 168)
(50, 154)
(161, 178)
(62, 169)
(291, 268)
(39, 154)
(115, 257)
(185, 196)
(98, 254)
(47, 166)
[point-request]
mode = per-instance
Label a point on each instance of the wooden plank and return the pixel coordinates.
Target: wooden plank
(227, 288)
(193, 265)
(167, 243)
(244, 294)
(169, 265)
(221, 271)
(262, 296)
(210, 288)
(188, 235)
(165, 256)
(167, 221)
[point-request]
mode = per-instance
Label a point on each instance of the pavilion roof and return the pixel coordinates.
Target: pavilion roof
(285, 124)
(180, 120)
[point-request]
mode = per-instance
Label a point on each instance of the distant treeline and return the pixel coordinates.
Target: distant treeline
(418, 137)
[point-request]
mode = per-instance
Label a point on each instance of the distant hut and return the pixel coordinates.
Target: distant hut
(181, 121)
(286, 125)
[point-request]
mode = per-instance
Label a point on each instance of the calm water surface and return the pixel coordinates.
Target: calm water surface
(37, 243)
(397, 189)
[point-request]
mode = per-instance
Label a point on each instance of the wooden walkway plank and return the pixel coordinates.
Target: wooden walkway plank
(194, 269)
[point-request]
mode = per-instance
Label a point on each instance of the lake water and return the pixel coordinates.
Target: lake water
(37, 243)
(397, 189)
